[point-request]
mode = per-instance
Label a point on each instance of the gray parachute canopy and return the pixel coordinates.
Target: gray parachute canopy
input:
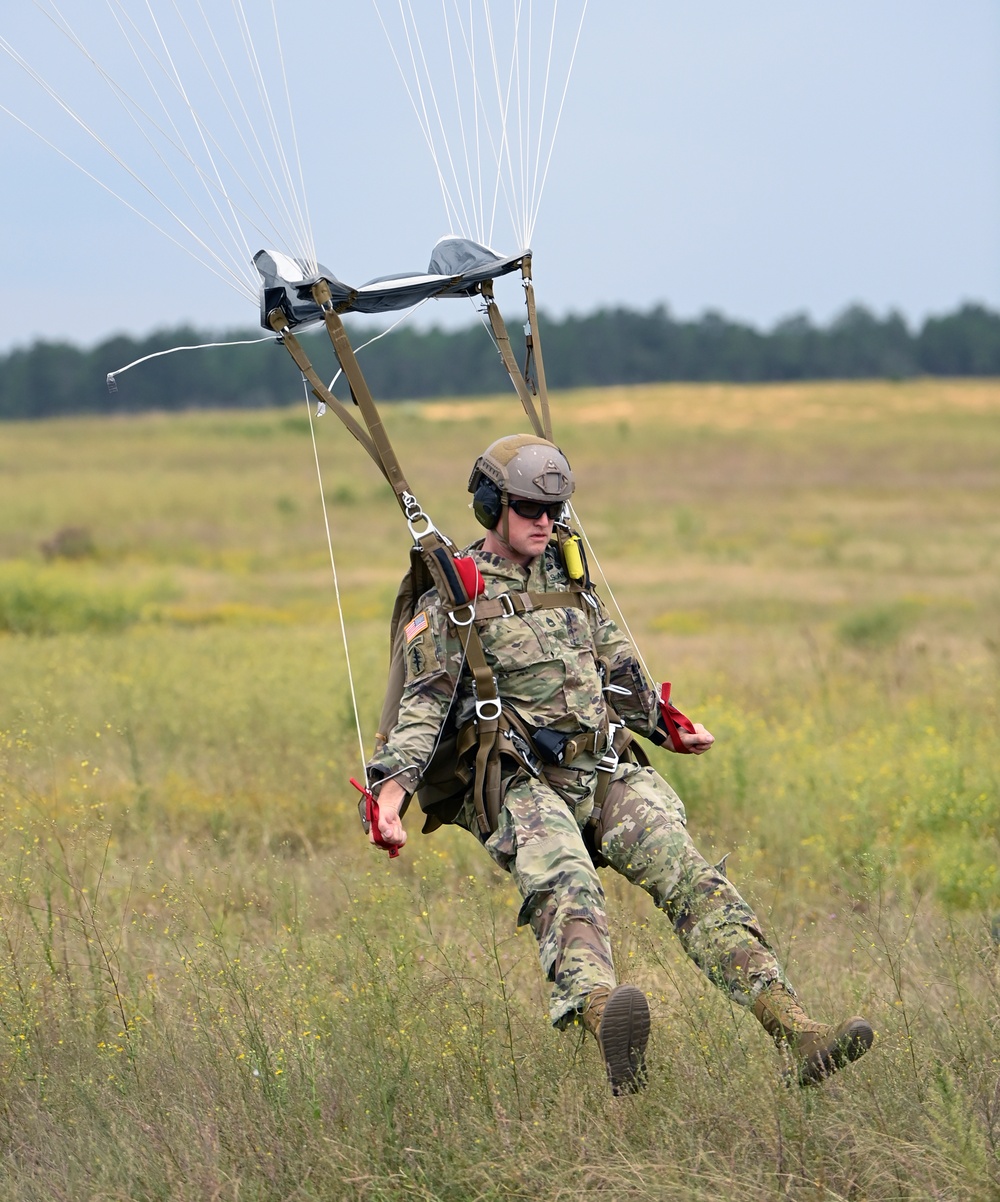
(457, 267)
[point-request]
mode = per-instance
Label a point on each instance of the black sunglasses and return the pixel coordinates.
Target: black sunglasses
(532, 510)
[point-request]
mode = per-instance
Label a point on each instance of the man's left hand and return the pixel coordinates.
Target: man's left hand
(698, 742)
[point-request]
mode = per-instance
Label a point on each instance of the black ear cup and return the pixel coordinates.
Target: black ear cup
(487, 503)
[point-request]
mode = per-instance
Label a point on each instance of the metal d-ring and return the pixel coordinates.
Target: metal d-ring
(472, 615)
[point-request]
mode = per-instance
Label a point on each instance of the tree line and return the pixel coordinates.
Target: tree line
(610, 346)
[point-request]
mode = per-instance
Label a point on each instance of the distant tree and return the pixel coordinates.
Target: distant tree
(966, 343)
(610, 346)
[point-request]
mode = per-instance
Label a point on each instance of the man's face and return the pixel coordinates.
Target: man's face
(529, 536)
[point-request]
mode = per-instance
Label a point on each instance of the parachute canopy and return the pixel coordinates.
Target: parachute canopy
(457, 267)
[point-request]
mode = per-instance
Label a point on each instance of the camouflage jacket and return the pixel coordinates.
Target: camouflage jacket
(546, 664)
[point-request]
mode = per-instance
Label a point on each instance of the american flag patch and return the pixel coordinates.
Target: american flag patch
(414, 627)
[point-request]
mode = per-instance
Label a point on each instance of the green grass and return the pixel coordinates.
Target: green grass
(212, 988)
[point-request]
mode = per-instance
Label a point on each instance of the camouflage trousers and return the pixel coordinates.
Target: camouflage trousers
(642, 834)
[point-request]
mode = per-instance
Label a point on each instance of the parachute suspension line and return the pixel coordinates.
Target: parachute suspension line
(303, 209)
(592, 556)
(532, 191)
(306, 247)
(417, 101)
(336, 584)
(224, 270)
(130, 106)
(176, 140)
(503, 152)
(235, 229)
(475, 183)
(277, 193)
(539, 188)
(523, 94)
(213, 262)
(224, 218)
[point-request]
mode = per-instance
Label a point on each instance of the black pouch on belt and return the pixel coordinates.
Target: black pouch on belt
(551, 744)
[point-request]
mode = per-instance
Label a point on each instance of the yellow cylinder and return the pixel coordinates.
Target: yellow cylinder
(573, 557)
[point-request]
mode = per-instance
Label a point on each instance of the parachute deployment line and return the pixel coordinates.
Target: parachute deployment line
(336, 584)
(202, 346)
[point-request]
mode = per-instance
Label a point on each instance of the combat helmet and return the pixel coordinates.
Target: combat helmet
(518, 465)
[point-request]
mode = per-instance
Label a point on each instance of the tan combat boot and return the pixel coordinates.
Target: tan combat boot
(619, 1020)
(820, 1050)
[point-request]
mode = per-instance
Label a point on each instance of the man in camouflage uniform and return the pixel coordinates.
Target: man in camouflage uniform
(571, 677)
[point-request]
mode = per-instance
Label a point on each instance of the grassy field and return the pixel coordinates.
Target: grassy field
(211, 988)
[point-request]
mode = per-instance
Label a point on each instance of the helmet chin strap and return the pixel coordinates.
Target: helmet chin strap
(505, 521)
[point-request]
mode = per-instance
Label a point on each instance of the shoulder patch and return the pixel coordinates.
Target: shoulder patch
(415, 626)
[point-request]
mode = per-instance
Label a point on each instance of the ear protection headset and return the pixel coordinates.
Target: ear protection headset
(487, 503)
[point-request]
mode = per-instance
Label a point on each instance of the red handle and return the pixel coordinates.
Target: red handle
(672, 719)
(371, 817)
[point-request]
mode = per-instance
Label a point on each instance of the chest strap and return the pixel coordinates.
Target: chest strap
(508, 604)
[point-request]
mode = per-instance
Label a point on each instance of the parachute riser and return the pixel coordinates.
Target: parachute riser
(279, 323)
(526, 383)
(502, 339)
(533, 342)
(376, 441)
(362, 394)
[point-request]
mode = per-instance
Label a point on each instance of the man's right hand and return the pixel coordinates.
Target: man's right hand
(390, 826)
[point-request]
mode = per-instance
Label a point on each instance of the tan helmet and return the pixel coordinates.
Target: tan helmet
(518, 465)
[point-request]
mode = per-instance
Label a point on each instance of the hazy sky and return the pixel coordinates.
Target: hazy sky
(759, 159)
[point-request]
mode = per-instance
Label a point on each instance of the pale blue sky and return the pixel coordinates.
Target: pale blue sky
(757, 159)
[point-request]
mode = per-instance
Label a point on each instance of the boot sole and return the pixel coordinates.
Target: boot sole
(856, 1038)
(624, 1034)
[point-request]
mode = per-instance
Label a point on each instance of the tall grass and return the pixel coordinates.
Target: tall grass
(212, 988)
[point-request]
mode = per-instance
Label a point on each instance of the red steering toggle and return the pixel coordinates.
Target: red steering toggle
(371, 818)
(672, 718)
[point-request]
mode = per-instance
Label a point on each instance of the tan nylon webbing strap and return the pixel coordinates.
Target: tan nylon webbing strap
(507, 354)
(359, 390)
(535, 349)
(518, 603)
(488, 728)
(279, 323)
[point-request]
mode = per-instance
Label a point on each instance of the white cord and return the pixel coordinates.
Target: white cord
(606, 589)
(204, 346)
(336, 586)
(398, 322)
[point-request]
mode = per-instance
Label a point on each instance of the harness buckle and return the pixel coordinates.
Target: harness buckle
(489, 710)
(506, 605)
(414, 514)
(611, 759)
(524, 750)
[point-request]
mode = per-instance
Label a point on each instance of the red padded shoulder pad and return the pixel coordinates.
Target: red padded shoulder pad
(470, 575)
